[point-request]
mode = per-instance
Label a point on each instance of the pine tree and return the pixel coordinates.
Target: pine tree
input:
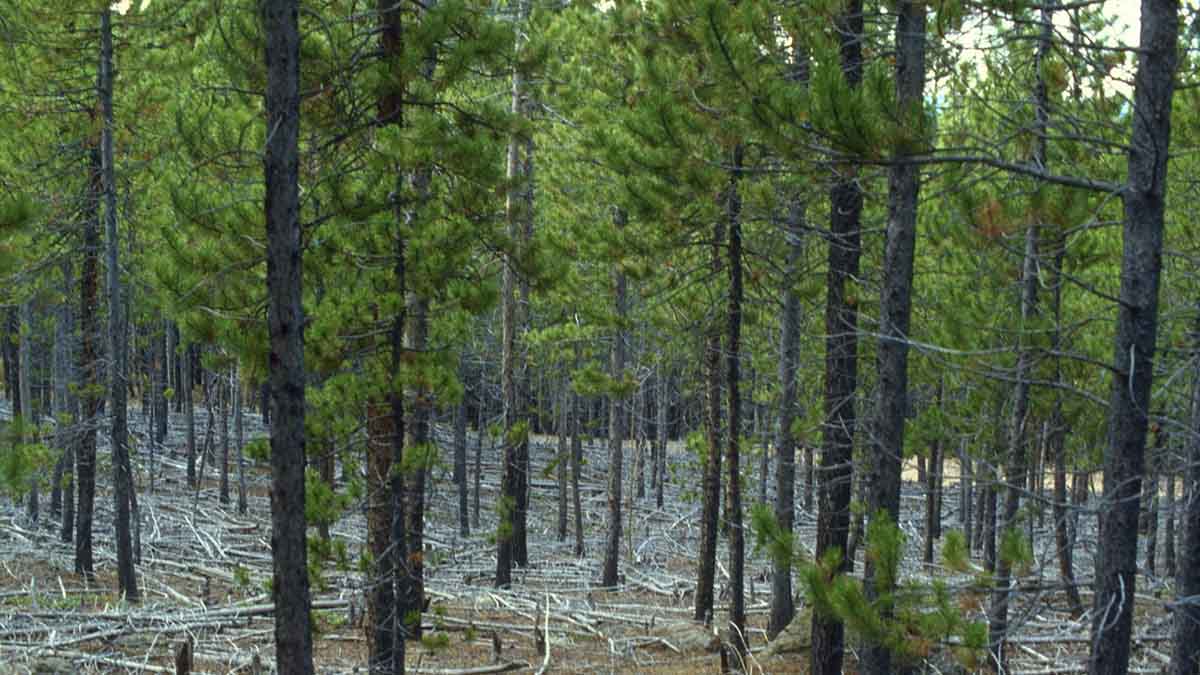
(1137, 323)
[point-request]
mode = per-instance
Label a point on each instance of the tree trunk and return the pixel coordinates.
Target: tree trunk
(380, 591)
(904, 185)
(480, 432)
(577, 412)
(189, 414)
(1169, 525)
(1016, 467)
(419, 443)
(172, 364)
(12, 337)
(858, 517)
(239, 442)
(223, 383)
(931, 512)
(1185, 657)
(562, 460)
(29, 421)
(89, 375)
(162, 410)
(990, 495)
(117, 328)
(460, 465)
(509, 528)
(841, 360)
(1057, 443)
(966, 487)
(616, 423)
(939, 486)
(64, 408)
(1137, 327)
(711, 495)
(764, 459)
(783, 607)
(733, 510)
(1150, 495)
(404, 591)
(641, 420)
(285, 321)
(662, 389)
(525, 216)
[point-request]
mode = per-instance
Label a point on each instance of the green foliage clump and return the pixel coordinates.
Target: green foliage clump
(24, 461)
(769, 536)
(1016, 550)
(912, 619)
(955, 554)
(258, 450)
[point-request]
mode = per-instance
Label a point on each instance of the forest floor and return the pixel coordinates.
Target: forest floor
(204, 573)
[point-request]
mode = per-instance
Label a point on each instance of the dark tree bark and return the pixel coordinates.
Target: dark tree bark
(764, 460)
(639, 422)
(401, 573)
(172, 365)
(966, 487)
(711, 494)
(1151, 495)
(161, 410)
(1058, 442)
(239, 442)
(386, 522)
(264, 401)
(189, 414)
(841, 360)
(932, 487)
(12, 337)
(1169, 533)
(577, 461)
(1137, 328)
(904, 185)
(481, 431)
(783, 607)
(460, 465)
(26, 411)
(89, 375)
(1185, 657)
(380, 589)
(65, 405)
(733, 502)
(662, 390)
(514, 475)
(562, 460)
(222, 388)
(117, 328)
(414, 480)
(858, 518)
(616, 423)
(524, 215)
(285, 321)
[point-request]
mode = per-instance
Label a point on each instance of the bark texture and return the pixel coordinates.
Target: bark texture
(895, 302)
(1137, 330)
(733, 502)
(1185, 658)
(841, 361)
(783, 606)
(616, 423)
(117, 328)
(285, 323)
(89, 375)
